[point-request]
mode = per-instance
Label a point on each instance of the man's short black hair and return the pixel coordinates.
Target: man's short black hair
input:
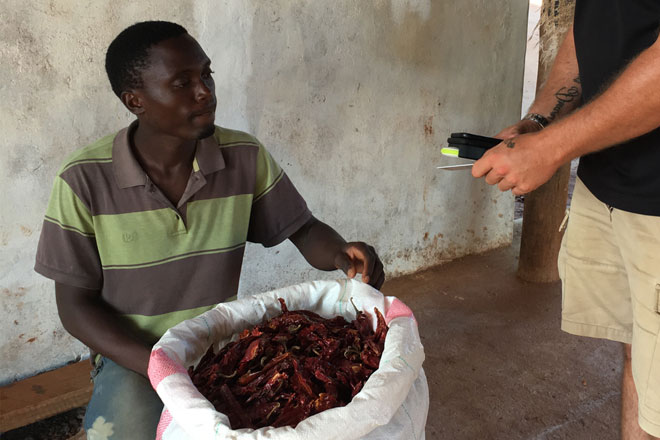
(128, 53)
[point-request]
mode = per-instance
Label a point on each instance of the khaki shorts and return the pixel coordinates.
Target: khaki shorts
(609, 264)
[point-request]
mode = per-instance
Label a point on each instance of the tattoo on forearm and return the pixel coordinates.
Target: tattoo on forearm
(564, 95)
(510, 143)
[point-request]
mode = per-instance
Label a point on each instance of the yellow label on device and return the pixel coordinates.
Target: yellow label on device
(449, 151)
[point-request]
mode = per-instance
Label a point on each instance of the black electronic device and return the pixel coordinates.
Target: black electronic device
(468, 145)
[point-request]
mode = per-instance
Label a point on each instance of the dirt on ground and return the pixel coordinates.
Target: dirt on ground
(60, 427)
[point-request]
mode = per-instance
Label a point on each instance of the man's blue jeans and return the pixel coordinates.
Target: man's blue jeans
(123, 405)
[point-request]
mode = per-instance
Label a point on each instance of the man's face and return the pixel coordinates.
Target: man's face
(178, 93)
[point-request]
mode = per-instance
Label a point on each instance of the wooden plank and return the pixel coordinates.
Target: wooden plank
(44, 395)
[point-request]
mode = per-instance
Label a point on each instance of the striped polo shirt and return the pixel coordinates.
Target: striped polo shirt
(108, 227)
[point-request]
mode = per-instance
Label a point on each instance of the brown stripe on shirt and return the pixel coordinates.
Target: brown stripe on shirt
(95, 184)
(71, 246)
(184, 284)
(238, 177)
(271, 231)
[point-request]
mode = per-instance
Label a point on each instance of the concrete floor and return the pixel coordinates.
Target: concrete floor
(497, 363)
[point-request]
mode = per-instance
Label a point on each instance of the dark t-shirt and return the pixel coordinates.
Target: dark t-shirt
(608, 35)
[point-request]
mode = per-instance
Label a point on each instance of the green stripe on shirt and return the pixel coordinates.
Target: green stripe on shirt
(150, 237)
(99, 151)
(67, 210)
(268, 173)
(151, 328)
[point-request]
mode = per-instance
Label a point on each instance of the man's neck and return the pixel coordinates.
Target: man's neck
(160, 152)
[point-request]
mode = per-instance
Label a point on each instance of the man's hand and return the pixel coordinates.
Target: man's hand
(527, 157)
(520, 164)
(325, 249)
(357, 257)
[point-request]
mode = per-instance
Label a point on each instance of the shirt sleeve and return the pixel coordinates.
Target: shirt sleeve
(67, 251)
(278, 209)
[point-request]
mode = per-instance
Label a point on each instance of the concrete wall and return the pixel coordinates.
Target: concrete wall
(354, 99)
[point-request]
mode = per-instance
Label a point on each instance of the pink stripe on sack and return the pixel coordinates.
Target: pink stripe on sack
(165, 420)
(161, 366)
(397, 310)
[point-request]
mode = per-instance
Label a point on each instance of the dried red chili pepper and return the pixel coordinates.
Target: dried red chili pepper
(290, 367)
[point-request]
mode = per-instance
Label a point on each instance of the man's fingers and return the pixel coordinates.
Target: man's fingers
(357, 258)
(484, 165)
(365, 256)
(480, 168)
(505, 185)
(343, 262)
(518, 191)
(492, 177)
(514, 164)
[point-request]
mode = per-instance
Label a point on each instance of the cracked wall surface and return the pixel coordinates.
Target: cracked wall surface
(354, 99)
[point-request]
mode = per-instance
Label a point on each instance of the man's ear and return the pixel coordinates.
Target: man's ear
(132, 102)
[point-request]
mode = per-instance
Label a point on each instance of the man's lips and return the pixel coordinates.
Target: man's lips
(204, 112)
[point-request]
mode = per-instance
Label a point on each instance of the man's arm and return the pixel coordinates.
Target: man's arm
(325, 249)
(560, 94)
(88, 318)
(629, 108)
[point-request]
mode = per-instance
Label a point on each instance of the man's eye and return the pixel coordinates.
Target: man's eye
(181, 84)
(208, 74)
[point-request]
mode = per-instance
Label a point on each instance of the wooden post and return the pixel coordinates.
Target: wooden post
(545, 207)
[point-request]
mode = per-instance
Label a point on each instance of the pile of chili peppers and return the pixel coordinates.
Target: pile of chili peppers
(293, 366)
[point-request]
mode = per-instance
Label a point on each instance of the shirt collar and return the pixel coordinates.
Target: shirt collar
(209, 156)
(129, 172)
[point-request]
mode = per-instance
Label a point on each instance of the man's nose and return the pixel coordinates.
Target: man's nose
(203, 91)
